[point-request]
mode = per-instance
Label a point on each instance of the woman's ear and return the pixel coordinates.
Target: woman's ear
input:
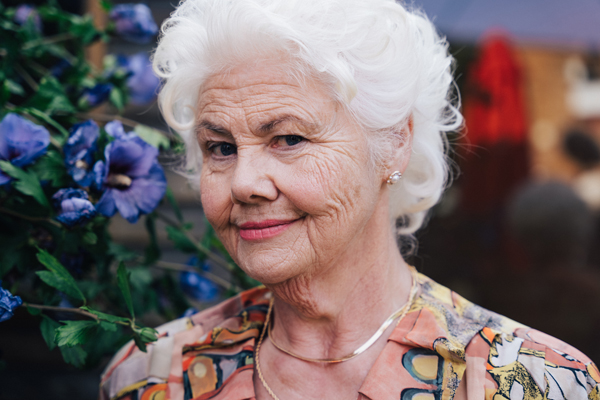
(402, 149)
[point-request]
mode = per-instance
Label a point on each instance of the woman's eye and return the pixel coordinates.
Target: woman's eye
(289, 140)
(222, 149)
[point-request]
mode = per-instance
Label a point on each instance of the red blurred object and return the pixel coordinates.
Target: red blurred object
(494, 107)
(495, 159)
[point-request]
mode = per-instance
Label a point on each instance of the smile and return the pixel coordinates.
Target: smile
(263, 229)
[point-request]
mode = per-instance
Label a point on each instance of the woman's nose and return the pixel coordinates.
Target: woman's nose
(252, 181)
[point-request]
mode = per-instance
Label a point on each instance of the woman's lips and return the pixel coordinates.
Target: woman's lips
(264, 229)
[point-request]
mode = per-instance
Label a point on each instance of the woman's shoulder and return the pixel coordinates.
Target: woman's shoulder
(132, 372)
(526, 363)
(505, 357)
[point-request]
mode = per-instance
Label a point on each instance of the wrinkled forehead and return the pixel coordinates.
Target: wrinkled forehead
(270, 84)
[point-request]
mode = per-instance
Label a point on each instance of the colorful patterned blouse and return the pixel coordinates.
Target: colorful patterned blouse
(443, 339)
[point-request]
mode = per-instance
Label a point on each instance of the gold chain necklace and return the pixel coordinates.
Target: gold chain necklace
(398, 314)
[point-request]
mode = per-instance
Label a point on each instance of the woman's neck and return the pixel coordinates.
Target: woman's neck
(331, 313)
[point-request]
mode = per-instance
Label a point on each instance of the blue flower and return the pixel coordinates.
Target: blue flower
(131, 177)
(60, 67)
(134, 22)
(79, 151)
(115, 129)
(21, 142)
(92, 97)
(73, 207)
(195, 285)
(142, 82)
(8, 303)
(198, 287)
(26, 12)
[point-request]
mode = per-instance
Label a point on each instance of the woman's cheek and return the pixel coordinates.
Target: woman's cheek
(315, 188)
(216, 202)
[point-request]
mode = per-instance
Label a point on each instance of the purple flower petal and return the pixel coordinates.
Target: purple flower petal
(22, 141)
(8, 303)
(126, 205)
(100, 172)
(26, 12)
(133, 180)
(92, 97)
(142, 82)
(73, 207)
(134, 22)
(79, 151)
(4, 179)
(149, 190)
(116, 130)
(106, 205)
(132, 157)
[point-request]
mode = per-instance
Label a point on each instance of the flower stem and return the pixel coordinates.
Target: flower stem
(217, 260)
(42, 116)
(25, 75)
(48, 40)
(39, 68)
(186, 268)
(28, 218)
(62, 309)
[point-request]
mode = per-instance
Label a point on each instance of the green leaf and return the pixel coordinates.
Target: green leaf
(108, 326)
(51, 97)
(48, 328)
(90, 238)
(152, 136)
(51, 167)
(58, 277)
(140, 279)
(26, 182)
(74, 333)
(75, 356)
(180, 240)
(152, 252)
(34, 311)
(14, 88)
(46, 118)
(120, 252)
(91, 288)
(106, 317)
(123, 281)
(9, 257)
(117, 98)
(83, 28)
(106, 5)
(173, 202)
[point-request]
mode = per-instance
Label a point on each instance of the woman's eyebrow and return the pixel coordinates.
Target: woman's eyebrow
(270, 125)
(218, 129)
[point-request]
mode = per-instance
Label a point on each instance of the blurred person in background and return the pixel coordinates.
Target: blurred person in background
(555, 288)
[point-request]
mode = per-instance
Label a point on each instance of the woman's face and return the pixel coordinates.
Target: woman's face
(286, 180)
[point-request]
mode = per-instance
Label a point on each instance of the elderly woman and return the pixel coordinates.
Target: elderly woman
(319, 129)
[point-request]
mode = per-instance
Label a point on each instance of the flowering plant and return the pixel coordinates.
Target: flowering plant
(69, 162)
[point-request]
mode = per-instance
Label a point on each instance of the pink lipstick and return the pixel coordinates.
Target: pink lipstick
(264, 229)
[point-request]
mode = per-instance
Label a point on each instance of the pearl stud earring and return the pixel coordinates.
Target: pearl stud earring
(394, 177)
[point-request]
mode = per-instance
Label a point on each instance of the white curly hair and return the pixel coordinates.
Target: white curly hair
(384, 62)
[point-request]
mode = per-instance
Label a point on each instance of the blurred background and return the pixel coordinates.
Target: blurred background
(518, 230)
